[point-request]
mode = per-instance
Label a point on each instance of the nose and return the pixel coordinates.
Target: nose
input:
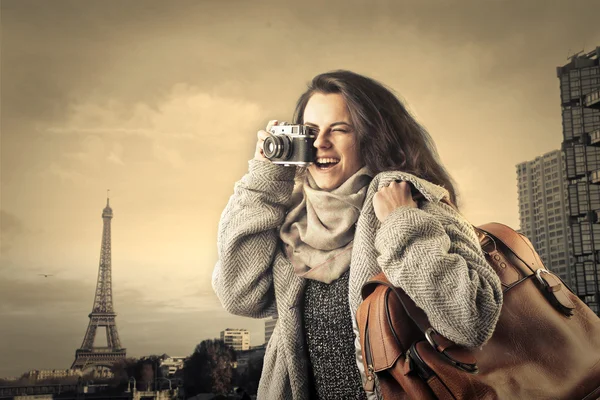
(322, 141)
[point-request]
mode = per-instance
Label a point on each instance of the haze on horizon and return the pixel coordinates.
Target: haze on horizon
(160, 103)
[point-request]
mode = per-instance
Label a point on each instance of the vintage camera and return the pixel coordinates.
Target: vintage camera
(290, 145)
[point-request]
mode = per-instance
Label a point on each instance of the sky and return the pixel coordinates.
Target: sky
(160, 102)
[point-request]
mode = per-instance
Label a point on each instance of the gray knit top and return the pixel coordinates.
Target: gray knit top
(330, 340)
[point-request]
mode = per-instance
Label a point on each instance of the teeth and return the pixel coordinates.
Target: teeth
(328, 160)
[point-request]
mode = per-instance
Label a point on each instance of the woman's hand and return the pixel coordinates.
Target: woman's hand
(388, 198)
(262, 135)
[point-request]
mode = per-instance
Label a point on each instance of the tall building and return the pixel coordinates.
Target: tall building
(543, 211)
(269, 328)
(103, 314)
(239, 339)
(580, 104)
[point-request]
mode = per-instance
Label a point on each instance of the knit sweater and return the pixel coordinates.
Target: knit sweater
(330, 340)
(431, 252)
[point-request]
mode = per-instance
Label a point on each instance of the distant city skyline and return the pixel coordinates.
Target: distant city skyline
(543, 207)
(160, 103)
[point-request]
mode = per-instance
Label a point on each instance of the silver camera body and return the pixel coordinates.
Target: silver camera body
(290, 144)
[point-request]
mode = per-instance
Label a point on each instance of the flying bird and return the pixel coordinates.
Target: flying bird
(45, 275)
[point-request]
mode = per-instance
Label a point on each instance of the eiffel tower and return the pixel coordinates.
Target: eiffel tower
(102, 314)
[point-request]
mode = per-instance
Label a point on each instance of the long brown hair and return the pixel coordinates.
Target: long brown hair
(389, 138)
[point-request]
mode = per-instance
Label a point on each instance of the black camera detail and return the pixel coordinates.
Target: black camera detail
(290, 145)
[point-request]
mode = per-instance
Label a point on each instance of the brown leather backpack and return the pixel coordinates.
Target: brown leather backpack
(546, 344)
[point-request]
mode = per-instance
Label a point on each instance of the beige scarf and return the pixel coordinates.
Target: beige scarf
(319, 228)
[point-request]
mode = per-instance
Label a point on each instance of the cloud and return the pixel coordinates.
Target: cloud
(113, 158)
(11, 226)
(64, 174)
(56, 295)
(184, 113)
(169, 155)
(184, 125)
(81, 130)
(93, 150)
(116, 154)
(37, 294)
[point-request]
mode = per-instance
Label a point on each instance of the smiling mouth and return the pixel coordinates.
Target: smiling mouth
(325, 163)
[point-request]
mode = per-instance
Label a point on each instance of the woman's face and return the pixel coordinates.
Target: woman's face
(336, 142)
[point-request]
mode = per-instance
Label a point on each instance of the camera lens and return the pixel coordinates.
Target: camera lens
(278, 147)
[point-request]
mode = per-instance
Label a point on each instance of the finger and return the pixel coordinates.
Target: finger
(391, 186)
(395, 182)
(259, 153)
(401, 185)
(406, 187)
(271, 123)
(262, 135)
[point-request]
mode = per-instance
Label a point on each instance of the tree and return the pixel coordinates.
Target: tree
(123, 370)
(250, 376)
(144, 370)
(209, 369)
(146, 375)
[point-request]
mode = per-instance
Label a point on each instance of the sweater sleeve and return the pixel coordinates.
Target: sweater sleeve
(248, 239)
(435, 257)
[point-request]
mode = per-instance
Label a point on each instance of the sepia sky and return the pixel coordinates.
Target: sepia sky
(160, 101)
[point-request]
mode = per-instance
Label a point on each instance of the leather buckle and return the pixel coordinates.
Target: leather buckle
(428, 334)
(552, 290)
(538, 275)
(485, 245)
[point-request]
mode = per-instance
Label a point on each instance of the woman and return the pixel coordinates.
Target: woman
(304, 254)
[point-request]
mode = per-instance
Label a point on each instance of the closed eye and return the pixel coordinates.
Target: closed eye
(334, 127)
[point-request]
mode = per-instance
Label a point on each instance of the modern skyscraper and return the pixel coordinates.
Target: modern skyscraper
(580, 104)
(269, 328)
(543, 211)
(238, 339)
